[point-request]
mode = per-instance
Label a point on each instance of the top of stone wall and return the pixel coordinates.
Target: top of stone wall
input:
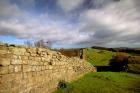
(13, 51)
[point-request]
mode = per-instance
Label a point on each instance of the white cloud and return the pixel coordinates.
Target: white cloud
(68, 5)
(34, 29)
(112, 24)
(7, 9)
(23, 25)
(117, 22)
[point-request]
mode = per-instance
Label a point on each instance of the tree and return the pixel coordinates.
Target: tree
(28, 43)
(120, 61)
(48, 44)
(39, 43)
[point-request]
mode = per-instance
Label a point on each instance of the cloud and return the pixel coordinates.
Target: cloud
(116, 22)
(35, 29)
(106, 23)
(23, 25)
(7, 9)
(69, 5)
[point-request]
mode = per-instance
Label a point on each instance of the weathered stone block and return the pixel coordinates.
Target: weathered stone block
(11, 69)
(33, 68)
(24, 57)
(18, 51)
(41, 63)
(14, 56)
(38, 68)
(5, 55)
(43, 59)
(25, 77)
(17, 68)
(4, 70)
(50, 67)
(40, 49)
(16, 61)
(27, 54)
(26, 68)
(4, 51)
(4, 61)
(37, 59)
(33, 62)
(33, 54)
(42, 67)
(25, 62)
(31, 50)
(45, 63)
(31, 58)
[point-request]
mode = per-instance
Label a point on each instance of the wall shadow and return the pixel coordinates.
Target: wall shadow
(108, 68)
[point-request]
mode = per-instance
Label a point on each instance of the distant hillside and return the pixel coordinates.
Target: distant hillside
(98, 57)
(135, 51)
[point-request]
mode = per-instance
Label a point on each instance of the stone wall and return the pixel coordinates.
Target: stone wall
(72, 52)
(36, 70)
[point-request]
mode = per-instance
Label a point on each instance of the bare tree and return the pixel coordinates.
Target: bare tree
(28, 43)
(39, 43)
(49, 44)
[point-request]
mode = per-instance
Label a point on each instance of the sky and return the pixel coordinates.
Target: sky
(71, 23)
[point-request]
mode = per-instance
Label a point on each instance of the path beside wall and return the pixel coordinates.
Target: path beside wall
(36, 70)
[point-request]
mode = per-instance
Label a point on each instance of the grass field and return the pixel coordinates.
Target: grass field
(103, 82)
(98, 57)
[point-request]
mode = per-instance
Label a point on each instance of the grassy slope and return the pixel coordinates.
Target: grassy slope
(98, 57)
(104, 82)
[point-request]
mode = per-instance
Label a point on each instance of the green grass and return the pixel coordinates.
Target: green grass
(104, 82)
(98, 57)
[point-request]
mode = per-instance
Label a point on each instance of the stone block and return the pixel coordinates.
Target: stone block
(24, 57)
(33, 54)
(50, 67)
(25, 62)
(4, 70)
(17, 68)
(45, 63)
(41, 63)
(4, 51)
(33, 68)
(33, 62)
(4, 61)
(16, 61)
(6, 55)
(14, 56)
(42, 59)
(27, 54)
(38, 68)
(25, 77)
(31, 58)
(18, 51)
(26, 68)
(37, 59)
(31, 50)
(11, 69)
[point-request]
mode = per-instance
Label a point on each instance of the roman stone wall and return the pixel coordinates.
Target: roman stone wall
(37, 70)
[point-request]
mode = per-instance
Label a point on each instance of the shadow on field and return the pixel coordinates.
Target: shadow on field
(108, 68)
